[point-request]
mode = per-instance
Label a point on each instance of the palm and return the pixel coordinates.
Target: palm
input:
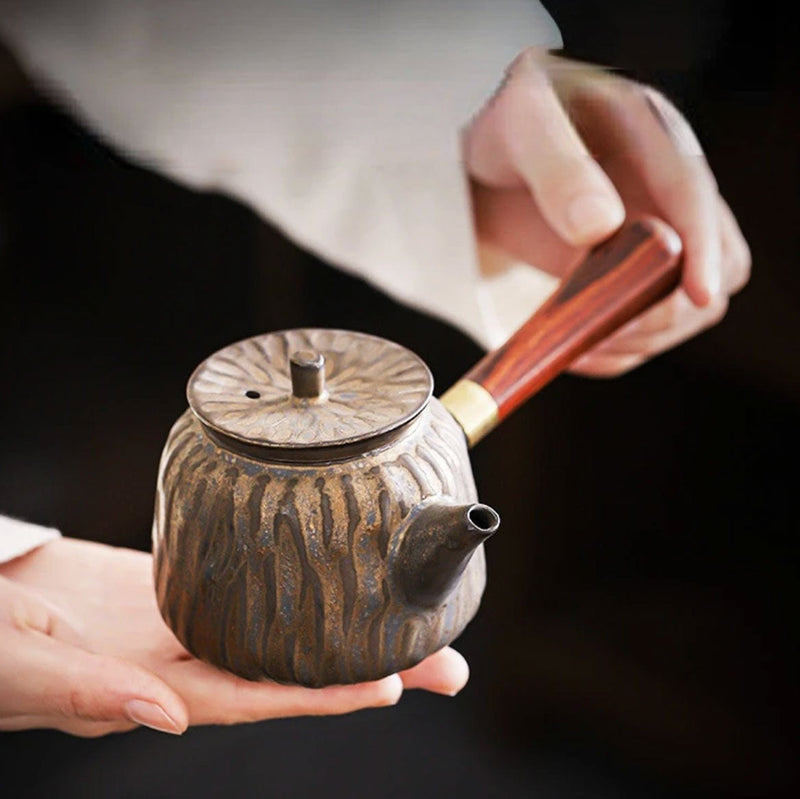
(105, 597)
(106, 594)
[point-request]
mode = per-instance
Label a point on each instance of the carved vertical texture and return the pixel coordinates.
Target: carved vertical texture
(285, 572)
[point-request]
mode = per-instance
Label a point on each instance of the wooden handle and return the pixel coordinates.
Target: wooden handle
(618, 280)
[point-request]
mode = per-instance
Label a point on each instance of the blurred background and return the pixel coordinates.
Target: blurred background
(638, 636)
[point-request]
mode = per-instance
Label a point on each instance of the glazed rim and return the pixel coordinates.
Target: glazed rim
(372, 387)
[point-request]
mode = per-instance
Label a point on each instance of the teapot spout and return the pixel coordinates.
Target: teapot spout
(437, 546)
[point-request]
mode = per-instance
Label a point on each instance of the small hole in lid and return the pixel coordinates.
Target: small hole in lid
(252, 394)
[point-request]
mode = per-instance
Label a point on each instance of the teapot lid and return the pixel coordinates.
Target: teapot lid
(308, 388)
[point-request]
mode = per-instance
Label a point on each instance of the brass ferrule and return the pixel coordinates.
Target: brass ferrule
(473, 407)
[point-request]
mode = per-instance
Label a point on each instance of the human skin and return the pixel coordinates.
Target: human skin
(84, 649)
(557, 159)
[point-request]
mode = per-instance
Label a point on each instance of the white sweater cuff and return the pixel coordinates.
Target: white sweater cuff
(18, 537)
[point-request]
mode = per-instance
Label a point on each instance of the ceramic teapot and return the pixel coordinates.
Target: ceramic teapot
(316, 519)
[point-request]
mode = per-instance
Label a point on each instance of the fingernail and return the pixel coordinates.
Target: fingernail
(592, 215)
(151, 715)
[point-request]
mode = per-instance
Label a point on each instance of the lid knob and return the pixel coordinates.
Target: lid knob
(307, 405)
(308, 374)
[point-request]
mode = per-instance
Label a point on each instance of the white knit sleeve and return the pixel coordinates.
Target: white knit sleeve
(17, 537)
(339, 120)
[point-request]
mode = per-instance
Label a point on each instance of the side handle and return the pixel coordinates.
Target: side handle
(619, 279)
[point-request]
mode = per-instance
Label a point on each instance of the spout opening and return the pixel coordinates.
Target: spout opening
(483, 518)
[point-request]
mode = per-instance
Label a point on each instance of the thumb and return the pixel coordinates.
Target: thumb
(78, 686)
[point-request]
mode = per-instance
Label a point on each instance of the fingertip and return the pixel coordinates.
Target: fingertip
(702, 285)
(700, 273)
(154, 704)
(712, 276)
(390, 690)
(338, 699)
(459, 671)
(702, 265)
(592, 217)
(697, 293)
(175, 708)
(99, 688)
(143, 687)
(152, 715)
(445, 672)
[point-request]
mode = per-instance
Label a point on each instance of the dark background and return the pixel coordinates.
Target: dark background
(638, 636)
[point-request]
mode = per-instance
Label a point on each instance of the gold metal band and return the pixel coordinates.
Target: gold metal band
(473, 407)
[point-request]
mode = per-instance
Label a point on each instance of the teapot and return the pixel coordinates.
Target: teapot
(316, 519)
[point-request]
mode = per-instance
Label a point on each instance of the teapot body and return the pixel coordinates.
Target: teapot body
(288, 571)
(315, 517)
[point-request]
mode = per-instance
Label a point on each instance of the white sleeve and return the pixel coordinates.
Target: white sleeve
(336, 119)
(17, 538)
